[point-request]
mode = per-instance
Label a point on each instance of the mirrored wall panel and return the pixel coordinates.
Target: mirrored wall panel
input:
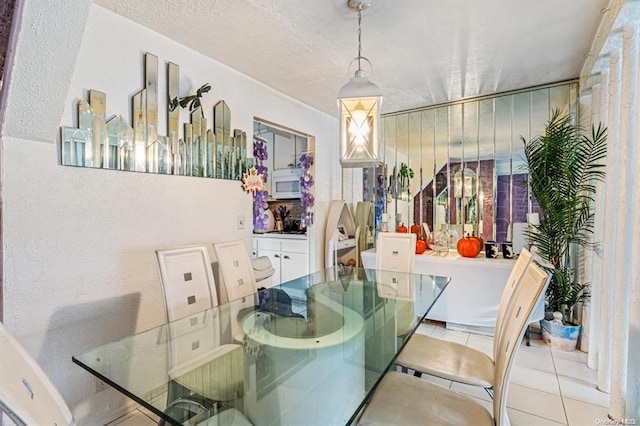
(460, 166)
(198, 148)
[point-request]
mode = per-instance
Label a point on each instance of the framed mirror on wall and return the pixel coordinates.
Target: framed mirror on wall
(459, 167)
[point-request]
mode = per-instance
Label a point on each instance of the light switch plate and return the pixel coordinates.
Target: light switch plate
(240, 221)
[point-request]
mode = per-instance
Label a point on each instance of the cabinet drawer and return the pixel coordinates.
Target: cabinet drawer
(295, 246)
(268, 244)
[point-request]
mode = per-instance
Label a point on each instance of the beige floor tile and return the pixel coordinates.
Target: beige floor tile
(580, 413)
(535, 344)
(474, 391)
(425, 328)
(574, 355)
(149, 414)
(535, 379)
(485, 347)
(433, 379)
(538, 403)
(520, 418)
(575, 369)
(134, 418)
(581, 390)
(451, 335)
(479, 338)
(536, 359)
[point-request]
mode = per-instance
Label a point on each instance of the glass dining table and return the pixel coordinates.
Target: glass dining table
(310, 351)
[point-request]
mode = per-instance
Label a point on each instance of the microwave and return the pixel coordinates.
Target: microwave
(286, 183)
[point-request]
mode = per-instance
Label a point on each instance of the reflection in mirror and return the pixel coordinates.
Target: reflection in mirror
(120, 135)
(460, 166)
(173, 116)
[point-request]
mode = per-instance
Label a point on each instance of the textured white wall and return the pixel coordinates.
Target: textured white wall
(79, 265)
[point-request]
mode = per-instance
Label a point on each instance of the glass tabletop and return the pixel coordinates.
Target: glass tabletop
(309, 351)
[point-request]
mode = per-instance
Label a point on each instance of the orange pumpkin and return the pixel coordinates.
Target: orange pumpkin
(402, 229)
(480, 240)
(421, 246)
(415, 229)
(468, 246)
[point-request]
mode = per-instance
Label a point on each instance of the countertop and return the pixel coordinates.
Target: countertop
(283, 235)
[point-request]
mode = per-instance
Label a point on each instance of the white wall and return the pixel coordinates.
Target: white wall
(79, 265)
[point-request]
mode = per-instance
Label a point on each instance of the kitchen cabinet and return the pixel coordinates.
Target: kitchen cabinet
(289, 255)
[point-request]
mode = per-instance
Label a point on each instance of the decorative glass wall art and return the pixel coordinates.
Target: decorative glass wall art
(112, 144)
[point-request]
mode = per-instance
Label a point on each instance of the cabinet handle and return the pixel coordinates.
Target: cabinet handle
(286, 257)
(277, 256)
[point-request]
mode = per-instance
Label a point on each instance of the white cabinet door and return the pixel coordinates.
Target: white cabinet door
(283, 152)
(293, 265)
(274, 257)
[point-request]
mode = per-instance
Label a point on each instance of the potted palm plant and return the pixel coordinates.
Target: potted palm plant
(564, 165)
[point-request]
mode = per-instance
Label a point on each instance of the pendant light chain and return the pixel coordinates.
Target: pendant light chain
(359, 35)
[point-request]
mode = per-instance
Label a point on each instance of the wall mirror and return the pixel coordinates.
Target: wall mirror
(460, 166)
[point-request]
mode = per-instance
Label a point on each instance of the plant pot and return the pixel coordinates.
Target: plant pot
(559, 336)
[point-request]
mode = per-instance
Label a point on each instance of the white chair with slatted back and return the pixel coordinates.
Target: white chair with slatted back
(395, 259)
(236, 269)
(27, 395)
(456, 362)
(515, 277)
(198, 360)
(413, 401)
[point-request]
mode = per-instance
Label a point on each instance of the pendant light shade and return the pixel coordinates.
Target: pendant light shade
(359, 101)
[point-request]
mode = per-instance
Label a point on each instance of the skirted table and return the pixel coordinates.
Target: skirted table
(471, 300)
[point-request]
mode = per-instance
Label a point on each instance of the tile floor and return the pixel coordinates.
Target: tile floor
(548, 387)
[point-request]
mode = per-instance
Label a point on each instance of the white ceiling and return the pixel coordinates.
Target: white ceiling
(424, 52)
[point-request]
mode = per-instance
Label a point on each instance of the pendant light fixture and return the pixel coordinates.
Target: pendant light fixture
(359, 101)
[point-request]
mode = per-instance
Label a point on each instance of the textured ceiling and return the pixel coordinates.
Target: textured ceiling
(424, 52)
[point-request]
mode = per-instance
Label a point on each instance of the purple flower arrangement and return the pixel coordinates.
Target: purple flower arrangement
(365, 184)
(381, 195)
(260, 205)
(306, 196)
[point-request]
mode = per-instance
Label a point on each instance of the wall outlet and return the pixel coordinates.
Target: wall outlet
(240, 221)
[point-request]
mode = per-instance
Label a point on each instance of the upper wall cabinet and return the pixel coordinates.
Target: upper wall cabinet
(284, 148)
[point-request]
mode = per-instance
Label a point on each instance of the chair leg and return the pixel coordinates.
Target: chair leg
(489, 391)
(527, 336)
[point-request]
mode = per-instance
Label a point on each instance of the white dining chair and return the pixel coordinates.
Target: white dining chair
(238, 279)
(200, 364)
(27, 395)
(236, 269)
(407, 400)
(187, 280)
(395, 257)
(460, 363)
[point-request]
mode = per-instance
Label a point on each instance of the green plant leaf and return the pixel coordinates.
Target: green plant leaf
(563, 166)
